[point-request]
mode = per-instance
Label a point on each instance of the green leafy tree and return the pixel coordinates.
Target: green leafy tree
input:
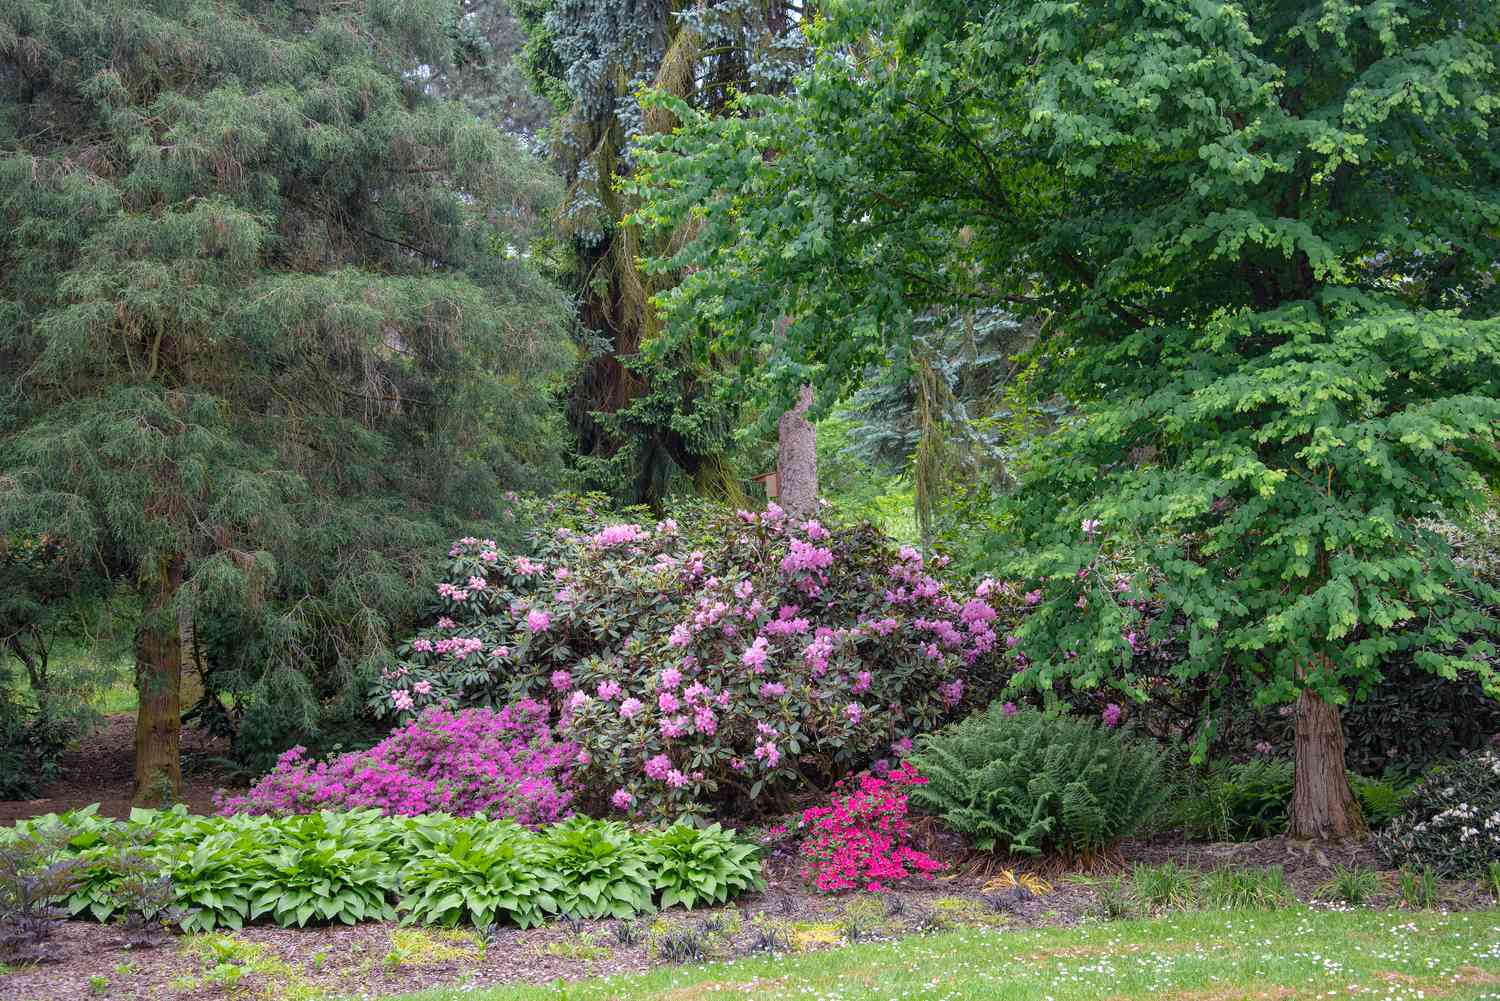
(1263, 235)
(268, 328)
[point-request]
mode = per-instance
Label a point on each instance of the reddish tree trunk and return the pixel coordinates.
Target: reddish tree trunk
(158, 683)
(1323, 805)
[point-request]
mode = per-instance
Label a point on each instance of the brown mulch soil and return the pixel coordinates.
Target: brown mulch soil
(101, 769)
(378, 959)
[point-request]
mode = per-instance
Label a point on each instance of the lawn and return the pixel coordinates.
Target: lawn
(1212, 956)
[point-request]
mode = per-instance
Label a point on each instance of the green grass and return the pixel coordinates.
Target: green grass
(1197, 956)
(107, 684)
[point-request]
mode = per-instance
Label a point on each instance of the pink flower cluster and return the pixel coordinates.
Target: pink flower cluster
(860, 839)
(501, 764)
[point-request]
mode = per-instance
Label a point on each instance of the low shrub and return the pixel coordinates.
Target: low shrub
(1024, 782)
(1451, 820)
(859, 841)
(32, 878)
(711, 661)
(505, 763)
(701, 865)
(357, 866)
(1164, 887)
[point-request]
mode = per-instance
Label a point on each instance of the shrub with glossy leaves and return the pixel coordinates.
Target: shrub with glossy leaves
(1021, 781)
(710, 660)
(504, 763)
(1451, 822)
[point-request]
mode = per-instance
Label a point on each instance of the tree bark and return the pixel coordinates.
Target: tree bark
(797, 460)
(1323, 805)
(158, 683)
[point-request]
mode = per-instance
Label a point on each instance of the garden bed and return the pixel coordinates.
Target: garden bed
(382, 958)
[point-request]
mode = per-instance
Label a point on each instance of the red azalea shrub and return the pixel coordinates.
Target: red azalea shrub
(715, 660)
(860, 840)
(501, 764)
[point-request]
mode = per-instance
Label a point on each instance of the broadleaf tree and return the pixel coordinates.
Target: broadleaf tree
(269, 331)
(1262, 236)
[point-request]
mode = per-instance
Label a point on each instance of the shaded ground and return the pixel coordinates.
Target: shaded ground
(373, 960)
(101, 770)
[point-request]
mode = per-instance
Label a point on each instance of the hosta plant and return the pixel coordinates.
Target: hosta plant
(701, 865)
(601, 868)
(476, 872)
(708, 660)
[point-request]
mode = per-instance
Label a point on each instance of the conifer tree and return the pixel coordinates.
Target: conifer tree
(268, 326)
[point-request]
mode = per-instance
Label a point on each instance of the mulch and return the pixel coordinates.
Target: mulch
(101, 769)
(378, 959)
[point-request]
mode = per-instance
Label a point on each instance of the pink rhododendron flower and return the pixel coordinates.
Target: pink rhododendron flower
(607, 689)
(401, 698)
(671, 678)
(538, 621)
(562, 680)
(1111, 715)
(657, 767)
(772, 690)
(622, 799)
(855, 712)
(667, 702)
(630, 708)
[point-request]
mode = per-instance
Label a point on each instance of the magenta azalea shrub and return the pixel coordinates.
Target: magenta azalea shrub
(502, 764)
(859, 841)
(717, 659)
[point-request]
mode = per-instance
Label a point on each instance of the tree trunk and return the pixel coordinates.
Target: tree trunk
(158, 683)
(797, 460)
(1323, 805)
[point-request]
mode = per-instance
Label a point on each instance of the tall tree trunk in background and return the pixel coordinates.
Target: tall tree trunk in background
(797, 460)
(1323, 805)
(158, 683)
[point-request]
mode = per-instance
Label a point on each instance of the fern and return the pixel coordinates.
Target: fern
(1026, 783)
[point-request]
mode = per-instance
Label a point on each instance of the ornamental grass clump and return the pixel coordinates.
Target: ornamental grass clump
(709, 661)
(504, 763)
(860, 840)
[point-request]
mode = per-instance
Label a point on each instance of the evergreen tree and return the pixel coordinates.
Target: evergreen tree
(1264, 235)
(268, 327)
(645, 408)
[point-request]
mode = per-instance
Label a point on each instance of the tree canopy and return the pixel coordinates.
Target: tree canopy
(269, 328)
(1263, 239)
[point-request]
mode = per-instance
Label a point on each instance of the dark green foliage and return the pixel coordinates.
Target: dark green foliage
(267, 323)
(701, 865)
(1164, 887)
(1248, 800)
(1450, 821)
(1025, 782)
(683, 944)
(31, 880)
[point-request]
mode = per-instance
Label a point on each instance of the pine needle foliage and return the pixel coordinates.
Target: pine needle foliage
(1027, 782)
(268, 327)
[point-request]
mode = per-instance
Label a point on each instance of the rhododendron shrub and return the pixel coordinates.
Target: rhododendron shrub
(860, 840)
(502, 764)
(711, 659)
